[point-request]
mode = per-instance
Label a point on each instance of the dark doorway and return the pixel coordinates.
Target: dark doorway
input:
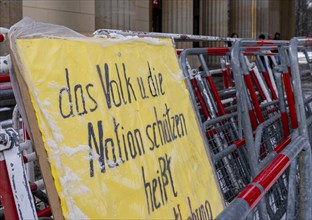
(157, 16)
(196, 12)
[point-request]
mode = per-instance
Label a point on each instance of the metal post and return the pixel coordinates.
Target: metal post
(242, 102)
(252, 194)
(305, 160)
(7, 198)
(282, 105)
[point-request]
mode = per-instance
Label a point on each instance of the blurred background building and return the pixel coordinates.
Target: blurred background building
(248, 18)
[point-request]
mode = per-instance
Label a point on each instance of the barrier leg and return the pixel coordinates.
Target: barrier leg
(282, 104)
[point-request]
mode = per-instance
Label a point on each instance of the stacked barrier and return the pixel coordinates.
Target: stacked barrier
(257, 126)
(268, 133)
(274, 175)
(23, 197)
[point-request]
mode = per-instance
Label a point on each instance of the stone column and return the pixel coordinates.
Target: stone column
(214, 17)
(123, 14)
(177, 17)
(10, 13)
(243, 17)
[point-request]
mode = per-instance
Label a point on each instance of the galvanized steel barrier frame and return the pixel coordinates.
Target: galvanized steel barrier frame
(251, 196)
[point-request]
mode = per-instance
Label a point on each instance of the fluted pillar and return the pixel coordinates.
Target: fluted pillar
(10, 13)
(123, 14)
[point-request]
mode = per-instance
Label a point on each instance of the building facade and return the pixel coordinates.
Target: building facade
(248, 18)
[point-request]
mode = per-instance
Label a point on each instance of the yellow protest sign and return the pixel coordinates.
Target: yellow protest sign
(119, 129)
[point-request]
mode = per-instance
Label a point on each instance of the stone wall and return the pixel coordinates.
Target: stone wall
(77, 15)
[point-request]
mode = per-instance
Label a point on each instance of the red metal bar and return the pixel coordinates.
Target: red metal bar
(179, 51)
(225, 80)
(4, 78)
(266, 178)
(33, 187)
(281, 146)
(258, 48)
(200, 98)
(251, 194)
(240, 143)
(216, 95)
(254, 98)
(253, 119)
(265, 42)
(2, 37)
(26, 135)
(273, 171)
(218, 51)
(6, 194)
(269, 83)
(290, 100)
(47, 212)
(25, 160)
(308, 41)
(229, 75)
(269, 111)
(211, 132)
(285, 123)
(257, 84)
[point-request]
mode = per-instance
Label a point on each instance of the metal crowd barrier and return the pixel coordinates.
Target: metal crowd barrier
(279, 178)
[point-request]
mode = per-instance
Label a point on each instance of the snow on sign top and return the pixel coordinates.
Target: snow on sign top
(119, 129)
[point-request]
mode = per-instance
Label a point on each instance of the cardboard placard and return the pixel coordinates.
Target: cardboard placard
(118, 129)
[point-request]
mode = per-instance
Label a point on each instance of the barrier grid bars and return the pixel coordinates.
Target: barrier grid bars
(218, 137)
(241, 93)
(306, 211)
(268, 133)
(226, 151)
(286, 132)
(238, 84)
(218, 140)
(252, 194)
(286, 77)
(223, 133)
(285, 65)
